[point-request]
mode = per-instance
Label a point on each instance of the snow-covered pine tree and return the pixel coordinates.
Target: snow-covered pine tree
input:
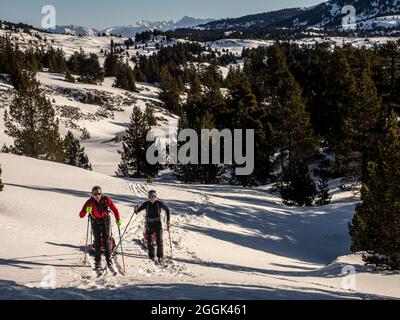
(31, 122)
(85, 134)
(74, 153)
(376, 225)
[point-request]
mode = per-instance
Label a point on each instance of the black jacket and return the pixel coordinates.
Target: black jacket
(154, 210)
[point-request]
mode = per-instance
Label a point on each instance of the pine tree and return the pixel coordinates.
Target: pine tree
(1, 183)
(214, 103)
(290, 131)
(31, 122)
(387, 73)
(139, 75)
(361, 129)
(90, 70)
(207, 173)
(197, 173)
(324, 197)
(111, 65)
(191, 111)
(323, 171)
(298, 188)
(151, 170)
(125, 78)
(243, 112)
(184, 172)
(376, 225)
(256, 69)
(330, 87)
(54, 60)
(85, 134)
(74, 153)
(339, 100)
(88, 67)
(133, 154)
(195, 85)
(32, 61)
(169, 92)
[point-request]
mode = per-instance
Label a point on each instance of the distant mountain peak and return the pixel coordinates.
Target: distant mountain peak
(131, 29)
(74, 30)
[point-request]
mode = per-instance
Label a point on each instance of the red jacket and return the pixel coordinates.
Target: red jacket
(105, 203)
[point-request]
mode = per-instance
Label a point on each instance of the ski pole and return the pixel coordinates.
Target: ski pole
(123, 234)
(170, 242)
(122, 250)
(87, 237)
(91, 235)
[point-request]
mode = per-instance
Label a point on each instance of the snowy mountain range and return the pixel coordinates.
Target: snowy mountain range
(74, 30)
(369, 15)
(131, 30)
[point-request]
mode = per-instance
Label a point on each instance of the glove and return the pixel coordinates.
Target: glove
(89, 210)
(119, 223)
(136, 209)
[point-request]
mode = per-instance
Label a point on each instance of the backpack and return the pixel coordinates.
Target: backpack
(104, 205)
(153, 219)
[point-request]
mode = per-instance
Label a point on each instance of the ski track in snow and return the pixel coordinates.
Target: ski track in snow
(173, 270)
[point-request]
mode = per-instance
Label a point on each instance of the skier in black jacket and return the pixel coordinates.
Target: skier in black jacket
(153, 223)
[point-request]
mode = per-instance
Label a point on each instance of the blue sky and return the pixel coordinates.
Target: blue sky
(101, 14)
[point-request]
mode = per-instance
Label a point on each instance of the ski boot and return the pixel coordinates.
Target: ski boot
(99, 270)
(111, 268)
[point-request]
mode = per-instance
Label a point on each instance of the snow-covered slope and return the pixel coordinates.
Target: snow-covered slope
(228, 242)
(74, 31)
(104, 121)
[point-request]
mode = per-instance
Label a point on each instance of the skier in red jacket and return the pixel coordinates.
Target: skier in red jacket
(98, 207)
